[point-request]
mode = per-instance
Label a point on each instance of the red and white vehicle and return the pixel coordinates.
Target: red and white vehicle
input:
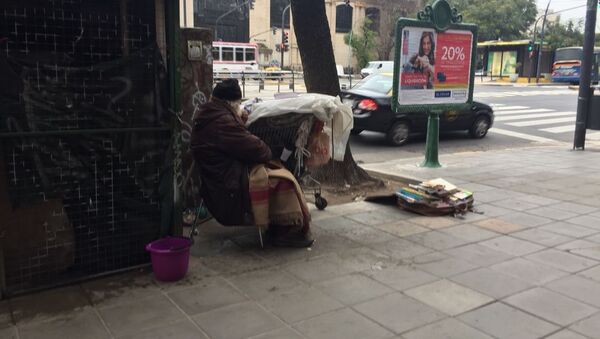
(234, 57)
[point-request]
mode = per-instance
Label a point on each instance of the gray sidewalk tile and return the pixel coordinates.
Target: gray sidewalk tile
(259, 284)
(449, 297)
(442, 265)
(341, 324)
(570, 230)
(183, 329)
(512, 246)
(538, 199)
(364, 259)
(434, 222)
(587, 221)
(594, 238)
(529, 271)
(83, 324)
(375, 217)
(320, 269)
(503, 321)
(402, 228)
(354, 288)
(578, 288)
(436, 240)
(368, 236)
(574, 207)
(592, 273)
(515, 204)
(479, 254)
(237, 321)
(566, 334)
(551, 306)
(539, 236)
(493, 195)
(474, 187)
(145, 313)
(282, 333)
(401, 277)
(448, 328)
(48, 305)
(210, 294)
(402, 249)
(589, 327)
(492, 211)
(582, 248)
(469, 233)
(9, 333)
(562, 260)
(525, 219)
(553, 213)
(339, 224)
(344, 209)
(499, 226)
(299, 303)
(239, 262)
(121, 289)
(492, 283)
(399, 313)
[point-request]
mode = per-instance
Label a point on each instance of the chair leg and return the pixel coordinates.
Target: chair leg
(260, 237)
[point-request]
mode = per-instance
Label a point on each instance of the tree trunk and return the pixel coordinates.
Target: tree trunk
(320, 76)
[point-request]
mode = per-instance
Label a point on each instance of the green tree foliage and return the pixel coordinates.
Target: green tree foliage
(505, 20)
(363, 43)
(563, 35)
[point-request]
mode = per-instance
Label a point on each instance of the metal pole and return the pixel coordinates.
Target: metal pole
(583, 100)
(539, 60)
(283, 32)
(433, 140)
(533, 43)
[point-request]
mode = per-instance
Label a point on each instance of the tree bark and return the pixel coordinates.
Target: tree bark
(320, 76)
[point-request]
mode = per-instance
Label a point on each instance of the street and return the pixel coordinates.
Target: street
(524, 116)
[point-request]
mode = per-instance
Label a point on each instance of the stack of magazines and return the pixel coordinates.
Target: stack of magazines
(435, 197)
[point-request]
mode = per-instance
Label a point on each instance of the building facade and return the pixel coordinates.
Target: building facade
(264, 24)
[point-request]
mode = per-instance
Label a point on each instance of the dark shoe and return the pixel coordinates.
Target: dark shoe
(291, 239)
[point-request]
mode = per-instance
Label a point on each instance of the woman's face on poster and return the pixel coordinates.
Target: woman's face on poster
(427, 44)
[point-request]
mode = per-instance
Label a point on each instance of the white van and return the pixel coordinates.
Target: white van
(377, 67)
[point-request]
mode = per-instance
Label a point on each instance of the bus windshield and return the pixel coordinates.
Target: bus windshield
(563, 54)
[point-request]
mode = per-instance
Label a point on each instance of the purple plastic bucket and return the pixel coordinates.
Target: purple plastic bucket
(170, 257)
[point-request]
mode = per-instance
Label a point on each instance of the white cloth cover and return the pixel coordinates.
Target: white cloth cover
(336, 115)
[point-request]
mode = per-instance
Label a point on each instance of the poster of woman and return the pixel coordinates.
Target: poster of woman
(434, 66)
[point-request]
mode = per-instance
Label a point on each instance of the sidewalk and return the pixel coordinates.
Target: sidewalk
(521, 82)
(526, 266)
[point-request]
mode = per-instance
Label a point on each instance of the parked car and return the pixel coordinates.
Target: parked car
(377, 67)
(371, 105)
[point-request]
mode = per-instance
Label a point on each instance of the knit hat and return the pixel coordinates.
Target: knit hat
(228, 90)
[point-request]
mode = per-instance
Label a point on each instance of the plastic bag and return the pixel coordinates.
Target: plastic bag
(319, 146)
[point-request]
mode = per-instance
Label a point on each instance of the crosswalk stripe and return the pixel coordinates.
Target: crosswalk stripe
(521, 135)
(505, 108)
(497, 105)
(593, 136)
(541, 122)
(560, 129)
(525, 111)
(533, 116)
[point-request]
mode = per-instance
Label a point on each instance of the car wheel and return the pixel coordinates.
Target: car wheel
(480, 127)
(356, 131)
(398, 133)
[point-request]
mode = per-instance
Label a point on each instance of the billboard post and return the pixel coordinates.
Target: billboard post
(434, 68)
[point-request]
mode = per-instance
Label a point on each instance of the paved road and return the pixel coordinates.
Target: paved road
(524, 116)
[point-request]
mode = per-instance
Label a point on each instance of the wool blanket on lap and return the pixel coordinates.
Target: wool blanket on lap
(276, 197)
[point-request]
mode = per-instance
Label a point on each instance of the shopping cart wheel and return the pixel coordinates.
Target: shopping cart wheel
(320, 202)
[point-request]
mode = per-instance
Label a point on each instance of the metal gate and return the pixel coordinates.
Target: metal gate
(85, 169)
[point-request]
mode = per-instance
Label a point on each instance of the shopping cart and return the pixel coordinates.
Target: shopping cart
(291, 132)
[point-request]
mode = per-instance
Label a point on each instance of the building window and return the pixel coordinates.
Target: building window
(239, 54)
(250, 54)
(374, 15)
(277, 7)
(216, 55)
(227, 53)
(343, 18)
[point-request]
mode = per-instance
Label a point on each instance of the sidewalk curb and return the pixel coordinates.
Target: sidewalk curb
(399, 177)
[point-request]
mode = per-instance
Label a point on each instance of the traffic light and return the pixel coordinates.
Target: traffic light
(530, 46)
(251, 4)
(286, 38)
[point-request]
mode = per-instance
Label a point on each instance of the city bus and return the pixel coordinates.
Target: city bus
(234, 57)
(567, 64)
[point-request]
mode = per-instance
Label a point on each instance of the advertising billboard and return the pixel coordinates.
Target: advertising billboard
(435, 67)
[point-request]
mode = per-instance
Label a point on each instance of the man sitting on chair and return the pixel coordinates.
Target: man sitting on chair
(241, 184)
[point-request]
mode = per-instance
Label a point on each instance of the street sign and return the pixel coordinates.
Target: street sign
(434, 68)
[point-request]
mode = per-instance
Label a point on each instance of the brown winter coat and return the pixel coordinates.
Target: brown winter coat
(224, 150)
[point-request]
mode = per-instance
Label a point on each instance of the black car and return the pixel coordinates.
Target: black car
(371, 106)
